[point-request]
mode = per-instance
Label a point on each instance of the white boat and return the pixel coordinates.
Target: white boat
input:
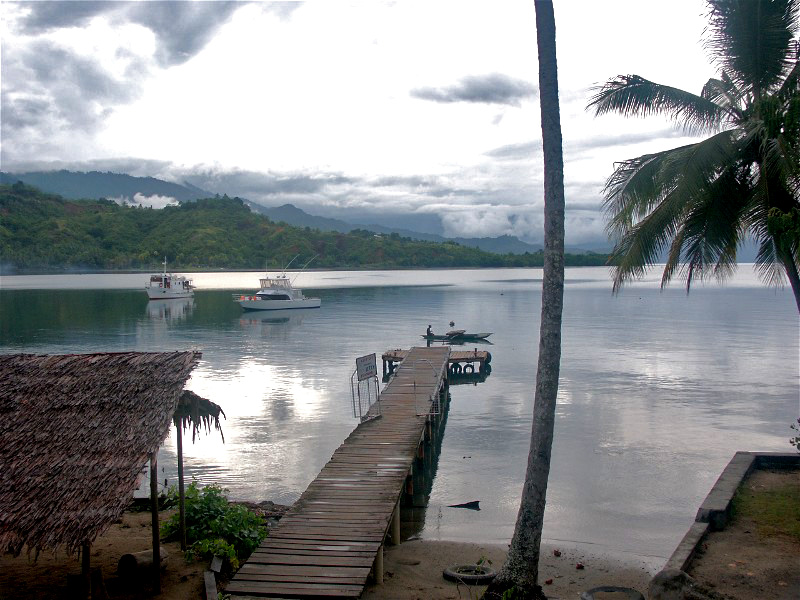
(276, 293)
(165, 286)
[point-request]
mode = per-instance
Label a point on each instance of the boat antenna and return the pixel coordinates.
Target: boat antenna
(289, 263)
(304, 266)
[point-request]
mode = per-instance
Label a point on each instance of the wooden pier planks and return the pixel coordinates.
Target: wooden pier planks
(327, 543)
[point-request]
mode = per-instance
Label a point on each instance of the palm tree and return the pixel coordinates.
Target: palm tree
(520, 572)
(700, 202)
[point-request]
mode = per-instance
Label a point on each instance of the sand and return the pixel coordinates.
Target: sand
(414, 571)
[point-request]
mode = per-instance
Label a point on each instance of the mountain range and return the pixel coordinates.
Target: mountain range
(118, 186)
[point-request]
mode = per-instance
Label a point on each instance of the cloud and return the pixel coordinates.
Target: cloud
(41, 17)
(155, 201)
(625, 139)
(494, 88)
(262, 185)
(521, 151)
(49, 91)
(181, 29)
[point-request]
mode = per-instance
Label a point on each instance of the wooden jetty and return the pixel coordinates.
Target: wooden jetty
(463, 362)
(332, 538)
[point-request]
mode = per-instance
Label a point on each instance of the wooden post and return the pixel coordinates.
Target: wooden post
(85, 569)
(378, 568)
(154, 513)
(181, 493)
(395, 532)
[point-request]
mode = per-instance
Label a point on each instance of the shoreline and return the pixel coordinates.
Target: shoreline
(413, 570)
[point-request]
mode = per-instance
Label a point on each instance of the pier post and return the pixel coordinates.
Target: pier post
(395, 531)
(156, 574)
(377, 570)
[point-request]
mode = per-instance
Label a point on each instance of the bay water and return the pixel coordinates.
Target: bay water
(658, 389)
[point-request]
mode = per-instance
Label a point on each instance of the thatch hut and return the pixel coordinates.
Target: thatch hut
(76, 430)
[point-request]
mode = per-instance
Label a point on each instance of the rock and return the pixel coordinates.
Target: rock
(674, 584)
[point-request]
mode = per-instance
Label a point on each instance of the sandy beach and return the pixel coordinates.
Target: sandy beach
(413, 571)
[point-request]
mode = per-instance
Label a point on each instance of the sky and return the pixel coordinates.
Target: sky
(410, 111)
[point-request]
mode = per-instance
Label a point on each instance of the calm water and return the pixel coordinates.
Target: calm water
(658, 389)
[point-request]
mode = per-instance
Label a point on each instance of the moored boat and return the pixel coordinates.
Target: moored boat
(165, 286)
(276, 293)
(456, 334)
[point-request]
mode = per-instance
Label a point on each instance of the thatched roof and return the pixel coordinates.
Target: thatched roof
(75, 431)
(198, 413)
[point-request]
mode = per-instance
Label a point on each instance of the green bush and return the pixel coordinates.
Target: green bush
(216, 527)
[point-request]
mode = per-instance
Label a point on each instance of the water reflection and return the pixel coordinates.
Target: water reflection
(658, 389)
(270, 322)
(170, 310)
(415, 499)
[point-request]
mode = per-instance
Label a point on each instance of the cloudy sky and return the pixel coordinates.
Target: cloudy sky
(359, 109)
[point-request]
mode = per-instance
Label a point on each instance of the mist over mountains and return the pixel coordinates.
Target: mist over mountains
(150, 191)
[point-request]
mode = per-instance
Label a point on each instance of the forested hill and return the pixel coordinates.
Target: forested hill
(46, 232)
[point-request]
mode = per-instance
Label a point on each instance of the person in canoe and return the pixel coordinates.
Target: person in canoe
(429, 331)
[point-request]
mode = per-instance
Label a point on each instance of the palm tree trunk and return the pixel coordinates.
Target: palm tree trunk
(521, 569)
(791, 272)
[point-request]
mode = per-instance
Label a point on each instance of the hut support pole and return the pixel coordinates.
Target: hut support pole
(154, 512)
(85, 569)
(181, 496)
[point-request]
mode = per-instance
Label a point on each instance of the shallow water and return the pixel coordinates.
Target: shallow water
(657, 391)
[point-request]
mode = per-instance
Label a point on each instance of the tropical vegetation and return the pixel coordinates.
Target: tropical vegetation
(46, 232)
(693, 206)
(214, 527)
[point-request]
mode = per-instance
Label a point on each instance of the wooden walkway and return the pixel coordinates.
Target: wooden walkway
(332, 538)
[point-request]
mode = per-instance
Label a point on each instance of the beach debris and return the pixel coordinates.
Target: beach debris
(474, 505)
(579, 566)
(556, 552)
(669, 584)
(548, 581)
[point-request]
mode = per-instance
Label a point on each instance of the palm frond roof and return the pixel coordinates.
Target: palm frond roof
(76, 430)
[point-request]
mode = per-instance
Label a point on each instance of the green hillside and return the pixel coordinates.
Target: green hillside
(46, 232)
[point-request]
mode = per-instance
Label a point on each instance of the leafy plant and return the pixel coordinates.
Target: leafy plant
(795, 441)
(214, 527)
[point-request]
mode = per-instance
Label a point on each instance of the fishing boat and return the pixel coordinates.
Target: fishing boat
(277, 293)
(165, 286)
(459, 335)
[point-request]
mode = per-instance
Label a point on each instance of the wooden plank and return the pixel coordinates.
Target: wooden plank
(303, 578)
(340, 551)
(301, 570)
(319, 561)
(290, 589)
(210, 585)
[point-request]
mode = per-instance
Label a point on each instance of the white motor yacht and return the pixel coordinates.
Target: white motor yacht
(276, 293)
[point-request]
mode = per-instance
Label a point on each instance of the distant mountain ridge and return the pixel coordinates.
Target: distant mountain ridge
(76, 185)
(292, 215)
(94, 185)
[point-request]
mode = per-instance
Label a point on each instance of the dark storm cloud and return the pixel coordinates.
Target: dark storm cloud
(181, 29)
(44, 16)
(494, 88)
(23, 112)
